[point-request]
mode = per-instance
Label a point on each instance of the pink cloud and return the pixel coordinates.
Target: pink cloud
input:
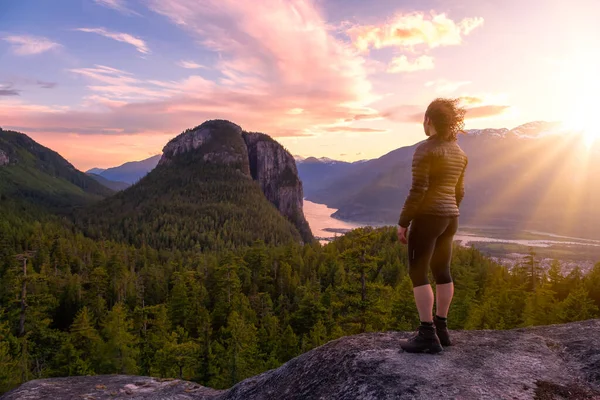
(444, 85)
(136, 42)
(415, 114)
(403, 64)
(411, 30)
(190, 64)
(485, 111)
(118, 5)
(26, 45)
(274, 57)
(471, 100)
(352, 129)
(281, 47)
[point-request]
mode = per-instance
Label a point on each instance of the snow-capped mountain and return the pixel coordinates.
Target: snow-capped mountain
(528, 176)
(315, 160)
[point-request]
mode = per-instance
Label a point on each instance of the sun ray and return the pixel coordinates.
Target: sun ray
(549, 157)
(567, 181)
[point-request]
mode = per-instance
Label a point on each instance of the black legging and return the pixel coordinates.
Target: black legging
(430, 244)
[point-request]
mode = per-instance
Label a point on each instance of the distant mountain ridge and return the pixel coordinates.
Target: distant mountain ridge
(95, 171)
(129, 172)
(112, 185)
(536, 176)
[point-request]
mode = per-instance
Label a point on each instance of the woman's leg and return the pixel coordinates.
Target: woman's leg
(421, 244)
(440, 267)
(444, 288)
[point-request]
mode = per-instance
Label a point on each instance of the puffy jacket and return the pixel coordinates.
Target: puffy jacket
(438, 171)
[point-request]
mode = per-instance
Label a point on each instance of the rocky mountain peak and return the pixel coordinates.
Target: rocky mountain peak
(500, 133)
(256, 155)
(546, 362)
(220, 141)
(536, 129)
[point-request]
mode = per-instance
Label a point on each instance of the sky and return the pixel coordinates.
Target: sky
(103, 82)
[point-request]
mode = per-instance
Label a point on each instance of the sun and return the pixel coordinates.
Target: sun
(580, 123)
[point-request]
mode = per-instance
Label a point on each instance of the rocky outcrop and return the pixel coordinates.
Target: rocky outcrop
(550, 362)
(257, 155)
(4, 160)
(215, 141)
(274, 168)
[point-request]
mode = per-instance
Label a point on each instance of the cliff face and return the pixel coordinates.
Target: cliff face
(255, 154)
(549, 362)
(274, 168)
(4, 160)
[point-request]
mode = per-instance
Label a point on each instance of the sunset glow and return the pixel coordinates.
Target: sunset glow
(582, 123)
(347, 80)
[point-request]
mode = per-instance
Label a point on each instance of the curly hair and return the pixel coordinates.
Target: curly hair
(447, 117)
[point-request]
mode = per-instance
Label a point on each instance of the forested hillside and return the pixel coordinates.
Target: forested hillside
(35, 174)
(71, 305)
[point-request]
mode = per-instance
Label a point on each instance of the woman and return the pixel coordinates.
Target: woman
(431, 210)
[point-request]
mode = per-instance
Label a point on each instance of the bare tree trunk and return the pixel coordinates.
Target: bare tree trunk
(363, 297)
(23, 300)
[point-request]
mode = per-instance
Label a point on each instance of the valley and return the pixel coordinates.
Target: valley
(508, 247)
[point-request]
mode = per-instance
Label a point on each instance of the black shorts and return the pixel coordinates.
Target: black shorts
(430, 241)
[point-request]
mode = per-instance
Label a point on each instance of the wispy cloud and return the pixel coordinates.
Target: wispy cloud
(8, 91)
(46, 85)
(471, 100)
(486, 111)
(117, 87)
(446, 86)
(411, 30)
(403, 64)
(415, 114)
(190, 64)
(118, 5)
(136, 42)
(352, 129)
(25, 45)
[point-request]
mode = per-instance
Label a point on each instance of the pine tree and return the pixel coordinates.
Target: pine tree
(67, 360)
(9, 370)
(363, 265)
(592, 284)
(556, 280)
(577, 307)
(119, 349)
(288, 347)
(541, 307)
(9, 364)
(225, 284)
(318, 335)
(83, 333)
(179, 303)
(86, 341)
(404, 309)
(241, 349)
(179, 353)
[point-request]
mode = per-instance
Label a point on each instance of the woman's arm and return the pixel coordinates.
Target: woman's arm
(420, 184)
(460, 186)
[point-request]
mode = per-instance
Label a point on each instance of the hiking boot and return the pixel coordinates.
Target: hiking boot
(441, 327)
(424, 341)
